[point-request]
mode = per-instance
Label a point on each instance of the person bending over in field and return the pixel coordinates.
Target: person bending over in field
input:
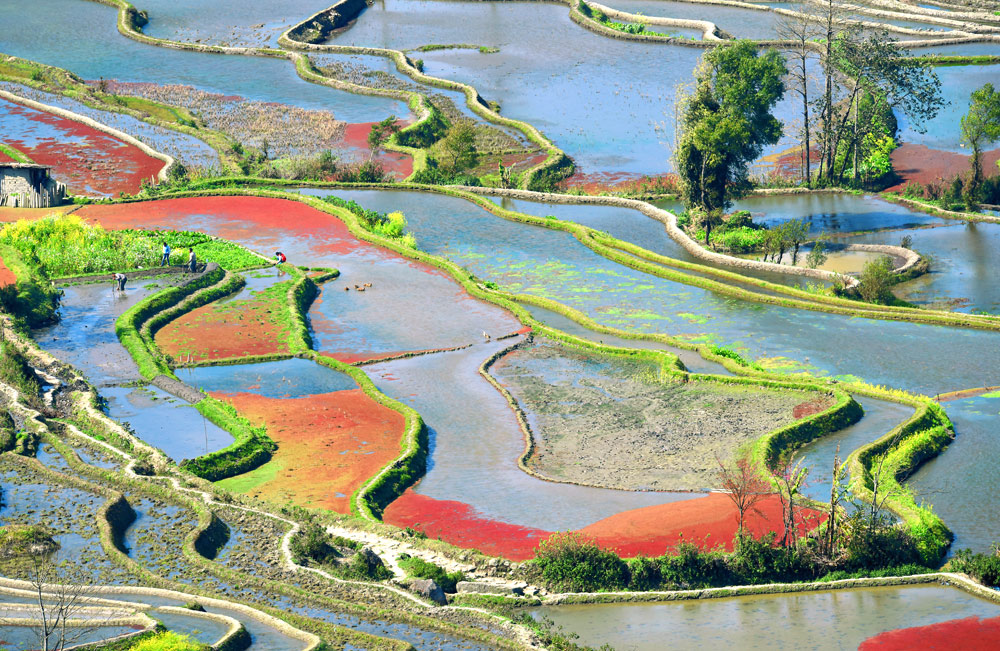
(119, 283)
(279, 258)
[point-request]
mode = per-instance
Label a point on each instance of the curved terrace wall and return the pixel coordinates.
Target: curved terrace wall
(168, 161)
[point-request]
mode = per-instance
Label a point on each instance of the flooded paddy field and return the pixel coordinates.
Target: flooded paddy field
(612, 448)
(331, 437)
(187, 149)
(613, 422)
(840, 619)
(88, 161)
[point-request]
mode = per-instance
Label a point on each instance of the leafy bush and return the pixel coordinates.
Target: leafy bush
(312, 543)
(690, 568)
(391, 226)
(876, 281)
(571, 561)
(984, 568)
(63, 245)
(169, 641)
(424, 570)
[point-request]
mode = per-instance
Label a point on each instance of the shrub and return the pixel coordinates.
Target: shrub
(644, 573)
(881, 546)
(169, 641)
(984, 568)
(690, 568)
(424, 570)
(571, 561)
(312, 543)
(876, 281)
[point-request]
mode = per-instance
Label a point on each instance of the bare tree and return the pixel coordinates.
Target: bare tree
(744, 482)
(58, 604)
(801, 30)
(837, 493)
(791, 477)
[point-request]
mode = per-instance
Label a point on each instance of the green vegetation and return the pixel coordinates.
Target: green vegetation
(228, 255)
(877, 280)
(312, 545)
(15, 155)
(251, 447)
(391, 226)
(725, 124)
(571, 562)
(15, 371)
(168, 641)
(65, 245)
(980, 128)
(984, 568)
(421, 569)
(20, 540)
(483, 49)
(32, 300)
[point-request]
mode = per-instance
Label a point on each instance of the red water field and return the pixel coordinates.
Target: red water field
(397, 164)
(226, 330)
(88, 161)
(708, 522)
(969, 634)
(329, 444)
(7, 276)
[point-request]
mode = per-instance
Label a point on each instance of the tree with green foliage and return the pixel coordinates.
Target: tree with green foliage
(980, 127)
(883, 76)
(817, 255)
(380, 133)
(795, 232)
(725, 123)
(458, 148)
(876, 281)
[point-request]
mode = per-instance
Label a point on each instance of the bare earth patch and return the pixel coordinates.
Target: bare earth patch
(615, 423)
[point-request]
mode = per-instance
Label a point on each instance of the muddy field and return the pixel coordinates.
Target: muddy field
(611, 422)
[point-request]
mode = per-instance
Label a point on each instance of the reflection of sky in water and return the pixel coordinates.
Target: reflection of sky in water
(553, 264)
(165, 422)
(475, 442)
(963, 483)
(809, 620)
(98, 50)
(292, 378)
(611, 117)
(963, 258)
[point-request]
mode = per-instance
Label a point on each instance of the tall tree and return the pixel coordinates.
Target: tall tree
(882, 76)
(981, 127)
(726, 122)
(745, 485)
(801, 30)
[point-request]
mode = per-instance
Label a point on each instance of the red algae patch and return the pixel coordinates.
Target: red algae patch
(88, 161)
(328, 445)
(397, 164)
(921, 164)
(459, 524)
(969, 634)
(231, 329)
(7, 276)
(708, 522)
